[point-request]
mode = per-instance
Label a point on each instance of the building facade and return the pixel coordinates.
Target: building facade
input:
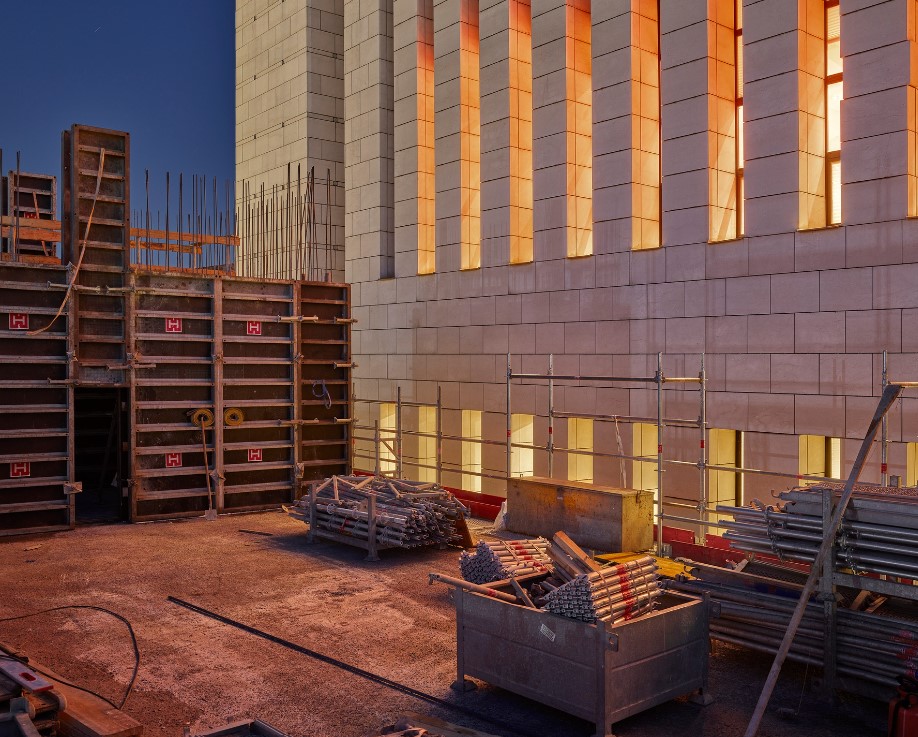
(606, 182)
(290, 138)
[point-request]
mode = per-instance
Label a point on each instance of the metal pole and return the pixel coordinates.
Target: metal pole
(659, 380)
(703, 459)
(884, 448)
(509, 424)
(551, 416)
(439, 448)
(376, 443)
(398, 432)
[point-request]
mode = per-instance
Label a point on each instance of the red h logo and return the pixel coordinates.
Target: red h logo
(173, 324)
(253, 327)
(255, 455)
(19, 321)
(20, 470)
(173, 460)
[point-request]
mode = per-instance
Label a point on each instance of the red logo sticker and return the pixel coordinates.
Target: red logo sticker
(254, 455)
(20, 470)
(253, 327)
(19, 321)
(173, 460)
(173, 324)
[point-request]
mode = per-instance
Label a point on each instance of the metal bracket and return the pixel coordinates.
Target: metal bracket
(613, 642)
(73, 487)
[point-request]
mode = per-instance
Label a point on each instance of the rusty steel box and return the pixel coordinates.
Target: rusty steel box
(596, 517)
(598, 672)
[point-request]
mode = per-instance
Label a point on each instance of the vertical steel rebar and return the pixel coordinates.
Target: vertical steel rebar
(398, 432)
(439, 448)
(703, 446)
(509, 423)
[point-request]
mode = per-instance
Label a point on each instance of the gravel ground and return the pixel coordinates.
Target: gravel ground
(382, 617)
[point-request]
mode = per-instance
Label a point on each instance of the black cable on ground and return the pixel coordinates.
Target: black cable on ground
(130, 685)
(382, 680)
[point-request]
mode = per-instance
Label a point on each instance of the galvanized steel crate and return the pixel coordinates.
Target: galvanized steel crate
(598, 672)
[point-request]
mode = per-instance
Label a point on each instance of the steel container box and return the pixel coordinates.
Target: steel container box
(598, 672)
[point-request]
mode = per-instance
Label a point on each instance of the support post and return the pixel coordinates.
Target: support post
(376, 445)
(884, 430)
(509, 423)
(372, 555)
(439, 448)
(659, 381)
(827, 596)
(398, 432)
(703, 449)
(551, 416)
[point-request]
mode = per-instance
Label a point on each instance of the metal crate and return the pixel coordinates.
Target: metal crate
(597, 672)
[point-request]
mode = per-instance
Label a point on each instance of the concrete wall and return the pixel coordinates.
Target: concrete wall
(290, 115)
(792, 317)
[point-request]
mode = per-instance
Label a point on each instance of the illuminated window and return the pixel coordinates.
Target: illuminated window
(427, 444)
(521, 459)
(725, 449)
(740, 153)
(470, 135)
(579, 437)
(644, 444)
(471, 450)
(647, 176)
(387, 428)
(520, 58)
(834, 95)
(724, 103)
(427, 189)
(579, 79)
(911, 464)
(819, 456)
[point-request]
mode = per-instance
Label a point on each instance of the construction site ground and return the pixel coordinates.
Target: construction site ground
(382, 617)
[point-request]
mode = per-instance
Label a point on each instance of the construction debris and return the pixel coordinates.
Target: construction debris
(501, 559)
(376, 513)
(422, 725)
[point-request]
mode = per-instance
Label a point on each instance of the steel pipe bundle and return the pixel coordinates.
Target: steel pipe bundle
(400, 513)
(879, 533)
(871, 647)
(500, 559)
(614, 594)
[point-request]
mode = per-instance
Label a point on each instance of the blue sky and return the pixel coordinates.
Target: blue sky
(162, 70)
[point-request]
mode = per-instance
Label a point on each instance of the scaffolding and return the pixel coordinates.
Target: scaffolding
(391, 440)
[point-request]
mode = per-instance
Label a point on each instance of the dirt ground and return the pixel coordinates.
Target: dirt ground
(382, 617)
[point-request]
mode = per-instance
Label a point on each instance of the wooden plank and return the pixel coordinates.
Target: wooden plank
(86, 715)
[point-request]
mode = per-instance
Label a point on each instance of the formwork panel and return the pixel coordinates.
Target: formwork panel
(173, 375)
(96, 237)
(35, 403)
(259, 376)
(28, 197)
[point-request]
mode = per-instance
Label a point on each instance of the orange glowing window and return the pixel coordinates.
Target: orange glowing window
(646, 171)
(470, 135)
(579, 78)
(834, 96)
(520, 87)
(427, 195)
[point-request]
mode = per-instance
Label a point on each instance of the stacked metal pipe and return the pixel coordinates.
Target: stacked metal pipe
(408, 514)
(879, 533)
(613, 594)
(869, 646)
(500, 559)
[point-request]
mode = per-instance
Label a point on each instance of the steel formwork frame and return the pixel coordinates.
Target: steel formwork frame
(277, 353)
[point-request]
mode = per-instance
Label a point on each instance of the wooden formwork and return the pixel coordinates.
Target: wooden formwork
(36, 400)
